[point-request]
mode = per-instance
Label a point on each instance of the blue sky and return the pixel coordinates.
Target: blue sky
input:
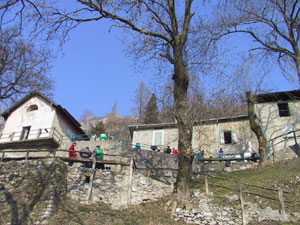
(94, 72)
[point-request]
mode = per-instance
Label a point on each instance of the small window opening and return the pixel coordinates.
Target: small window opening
(283, 109)
(227, 137)
(32, 108)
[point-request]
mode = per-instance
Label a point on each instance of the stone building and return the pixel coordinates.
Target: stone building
(280, 120)
(233, 135)
(278, 114)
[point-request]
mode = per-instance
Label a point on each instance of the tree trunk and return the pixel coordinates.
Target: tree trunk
(185, 128)
(256, 128)
(297, 62)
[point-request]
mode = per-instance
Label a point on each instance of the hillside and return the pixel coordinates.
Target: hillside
(35, 193)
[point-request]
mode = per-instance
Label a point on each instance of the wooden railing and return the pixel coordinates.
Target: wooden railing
(32, 135)
(240, 191)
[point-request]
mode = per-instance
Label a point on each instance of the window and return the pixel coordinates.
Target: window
(158, 138)
(227, 137)
(25, 133)
(32, 108)
(283, 109)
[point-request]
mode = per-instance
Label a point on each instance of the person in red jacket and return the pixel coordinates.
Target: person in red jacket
(72, 154)
(175, 151)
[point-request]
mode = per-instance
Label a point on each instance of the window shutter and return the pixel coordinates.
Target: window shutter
(233, 137)
(192, 141)
(158, 138)
(221, 137)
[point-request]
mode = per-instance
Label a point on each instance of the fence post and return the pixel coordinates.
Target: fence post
(242, 203)
(12, 136)
(92, 177)
(2, 158)
(206, 185)
(39, 133)
(280, 196)
(130, 182)
(26, 157)
(149, 172)
(54, 152)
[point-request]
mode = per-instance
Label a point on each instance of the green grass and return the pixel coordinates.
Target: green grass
(282, 174)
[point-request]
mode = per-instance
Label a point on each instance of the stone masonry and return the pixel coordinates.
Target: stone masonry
(113, 187)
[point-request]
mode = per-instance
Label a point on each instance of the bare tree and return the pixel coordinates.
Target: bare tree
(87, 113)
(113, 122)
(273, 25)
(23, 67)
(86, 122)
(142, 96)
(162, 29)
(20, 13)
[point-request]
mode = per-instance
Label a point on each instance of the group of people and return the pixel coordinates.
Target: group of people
(85, 154)
(169, 151)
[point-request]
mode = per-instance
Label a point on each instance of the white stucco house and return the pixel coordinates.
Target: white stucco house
(36, 120)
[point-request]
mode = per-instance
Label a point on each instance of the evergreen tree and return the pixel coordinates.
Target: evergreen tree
(151, 112)
(98, 129)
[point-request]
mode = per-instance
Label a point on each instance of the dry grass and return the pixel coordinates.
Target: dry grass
(151, 213)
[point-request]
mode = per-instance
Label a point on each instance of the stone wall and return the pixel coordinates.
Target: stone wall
(113, 187)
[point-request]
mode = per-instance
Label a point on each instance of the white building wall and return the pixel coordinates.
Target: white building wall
(273, 125)
(207, 138)
(146, 138)
(64, 127)
(37, 119)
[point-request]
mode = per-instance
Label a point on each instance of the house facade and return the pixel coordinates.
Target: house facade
(278, 114)
(37, 120)
(233, 135)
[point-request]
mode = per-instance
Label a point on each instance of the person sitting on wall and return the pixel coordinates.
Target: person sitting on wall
(198, 156)
(72, 154)
(99, 156)
(103, 137)
(153, 147)
(202, 154)
(175, 152)
(221, 153)
(85, 154)
(168, 150)
(137, 146)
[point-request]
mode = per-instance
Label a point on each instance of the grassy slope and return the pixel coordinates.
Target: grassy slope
(282, 174)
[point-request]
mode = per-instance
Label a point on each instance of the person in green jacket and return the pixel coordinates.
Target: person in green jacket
(99, 155)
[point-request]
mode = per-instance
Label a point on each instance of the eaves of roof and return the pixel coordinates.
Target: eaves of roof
(174, 125)
(293, 95)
